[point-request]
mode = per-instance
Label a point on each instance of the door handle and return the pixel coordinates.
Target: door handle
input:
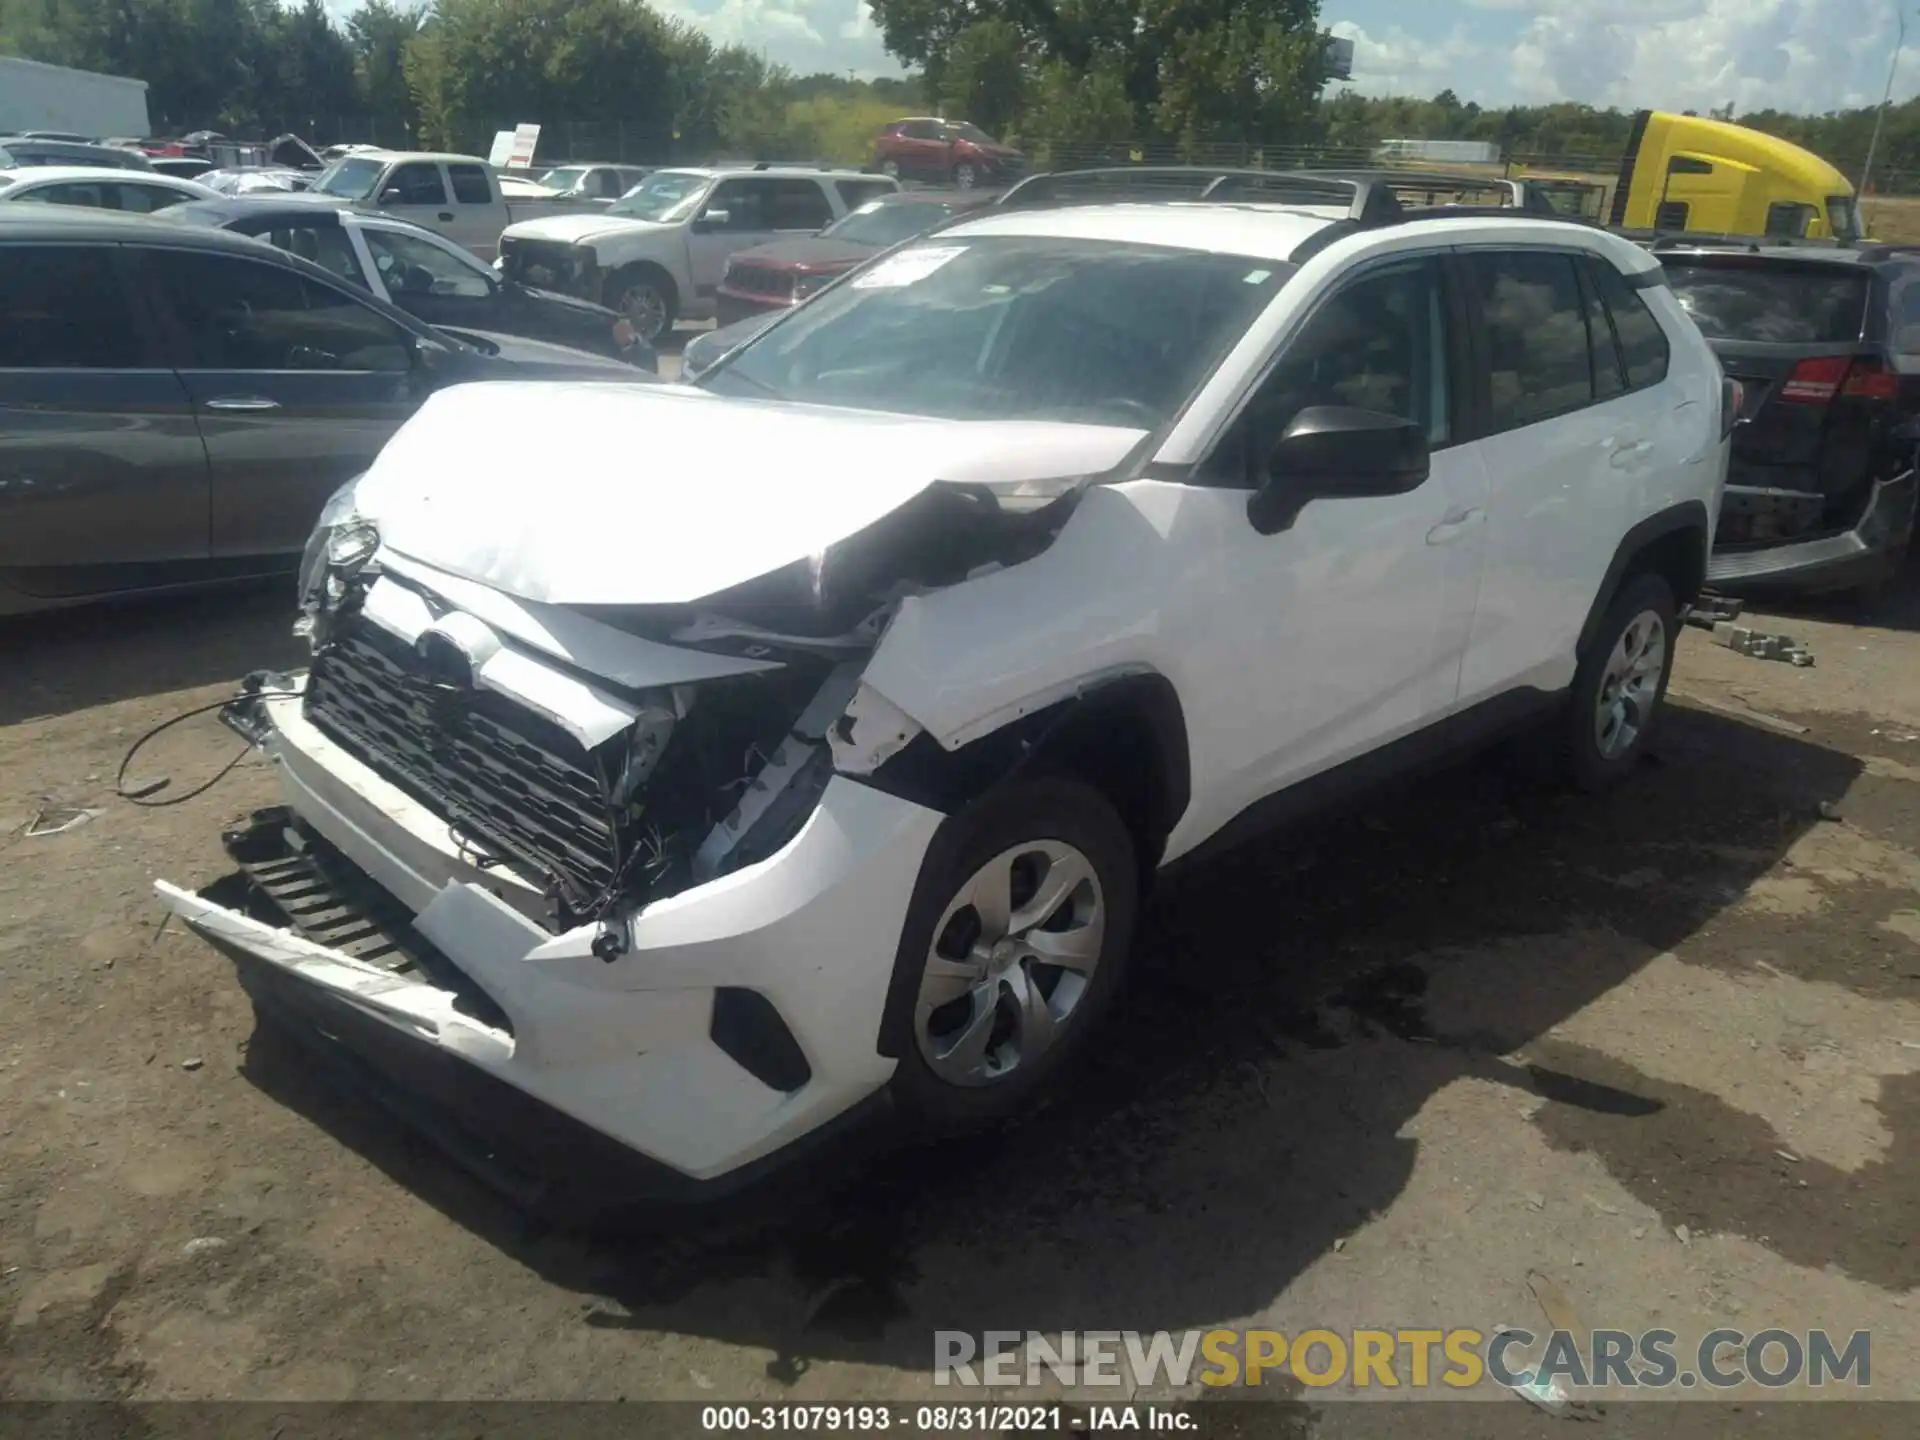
(243, 402)
(1454, 524)
(446, 215)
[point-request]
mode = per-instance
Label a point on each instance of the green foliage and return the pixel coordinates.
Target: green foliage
(986, 76)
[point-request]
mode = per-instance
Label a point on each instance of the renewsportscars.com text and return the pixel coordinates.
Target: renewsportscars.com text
(1457, 1359)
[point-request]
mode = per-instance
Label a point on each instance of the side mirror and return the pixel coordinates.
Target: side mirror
(1337, 452)
(713, 220)
(390, 195)
(416, 280)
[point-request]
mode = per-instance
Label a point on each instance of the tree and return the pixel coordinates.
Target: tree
(985, 78)
(379, 33)
(1192, 69)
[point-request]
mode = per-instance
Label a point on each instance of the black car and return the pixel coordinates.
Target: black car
(423, 273)
(1825, 342)
(177, 403)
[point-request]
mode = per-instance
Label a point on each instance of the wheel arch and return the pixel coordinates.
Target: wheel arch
(1671, 543)
(1125, 737)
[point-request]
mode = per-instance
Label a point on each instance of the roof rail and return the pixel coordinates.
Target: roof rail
(1681, 239)
(1361, 199)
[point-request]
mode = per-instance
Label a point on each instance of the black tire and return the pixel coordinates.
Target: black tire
(966, 175)
(646, 297)
(1588, 766)
(1035, 810)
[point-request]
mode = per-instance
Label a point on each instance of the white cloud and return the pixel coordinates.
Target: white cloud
(805, 35)
(1398, 62)
(1697, 54)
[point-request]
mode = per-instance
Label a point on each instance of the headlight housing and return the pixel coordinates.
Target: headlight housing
(342, 543)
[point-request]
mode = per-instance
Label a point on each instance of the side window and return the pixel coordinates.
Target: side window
(145, 199)
(1789, 221)
(1670, 215)
(612, 185)
(1536, 328)
(418, 183)
(745, 202)
(1378, 343)
(855, 193)
(921, 130)
(1643, 344)
(88, 193)
(1609, 373)
(325, 245)
(239, 314)
(470, 185)
(64, 308)
(798, 205)
(1904, 292)
(412, 266)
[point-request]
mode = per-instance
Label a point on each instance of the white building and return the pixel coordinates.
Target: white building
(37, 96)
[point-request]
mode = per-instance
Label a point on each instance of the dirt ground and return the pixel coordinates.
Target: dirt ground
(1663, 1048)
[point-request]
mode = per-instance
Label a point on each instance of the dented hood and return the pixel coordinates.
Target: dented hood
(585, 494)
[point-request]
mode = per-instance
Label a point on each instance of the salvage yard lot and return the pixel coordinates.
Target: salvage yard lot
(1371, 1074)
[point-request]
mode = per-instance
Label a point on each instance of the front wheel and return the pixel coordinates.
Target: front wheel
(647, 303)
(1014, 946)
(965, 176)
(1621, 684)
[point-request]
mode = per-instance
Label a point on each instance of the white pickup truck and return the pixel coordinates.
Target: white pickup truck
(457, 196)
(657, 253)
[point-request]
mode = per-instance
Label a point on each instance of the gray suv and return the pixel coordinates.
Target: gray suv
(178, 404)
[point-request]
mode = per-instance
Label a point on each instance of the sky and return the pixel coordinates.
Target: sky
(1807, 55)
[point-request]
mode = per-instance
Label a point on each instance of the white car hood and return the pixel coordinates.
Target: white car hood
(574, 227)
(585, 494)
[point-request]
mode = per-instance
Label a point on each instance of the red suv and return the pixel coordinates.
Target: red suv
(950, 151)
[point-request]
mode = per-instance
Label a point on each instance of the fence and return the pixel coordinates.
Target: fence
(646, 142)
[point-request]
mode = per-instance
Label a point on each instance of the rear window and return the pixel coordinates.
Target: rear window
(1772, 304)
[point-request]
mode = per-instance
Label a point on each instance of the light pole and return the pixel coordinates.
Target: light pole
(1880, 116)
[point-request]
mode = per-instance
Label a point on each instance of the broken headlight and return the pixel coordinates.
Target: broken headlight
(342, 543)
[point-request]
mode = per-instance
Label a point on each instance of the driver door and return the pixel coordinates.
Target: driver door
(1347, 630)
(747, 205)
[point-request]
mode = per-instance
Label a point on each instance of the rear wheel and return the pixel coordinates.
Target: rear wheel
(890, 167)
(1621, 684)
(966, 175)
(1015, 945)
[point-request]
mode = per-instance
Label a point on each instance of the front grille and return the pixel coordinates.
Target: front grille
(510, 784)
(543, 264)
(758, 280)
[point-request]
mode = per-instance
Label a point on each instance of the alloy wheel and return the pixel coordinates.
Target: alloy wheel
(646, 309)
(1630, 685)
(1012, 956)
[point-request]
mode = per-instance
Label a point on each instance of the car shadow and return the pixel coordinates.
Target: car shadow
(1246, 1106)
(1895, 607)
(62, 661)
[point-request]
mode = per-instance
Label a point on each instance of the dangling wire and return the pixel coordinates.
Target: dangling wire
(138, 797)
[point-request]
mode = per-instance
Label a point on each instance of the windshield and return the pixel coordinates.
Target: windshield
(563, 179)
(1012, 328)
(665, 195)
(350, 179)
(880, 224)
(1772, 303)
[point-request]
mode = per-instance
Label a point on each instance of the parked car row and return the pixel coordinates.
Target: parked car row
(177, 401)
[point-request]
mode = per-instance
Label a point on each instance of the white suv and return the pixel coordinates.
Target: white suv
(682, 800)
(657, 253)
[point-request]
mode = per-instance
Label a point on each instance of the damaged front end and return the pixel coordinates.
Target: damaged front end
(619, 857)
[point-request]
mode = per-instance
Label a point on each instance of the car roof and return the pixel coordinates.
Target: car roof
(1278, 231)
(731, 172)
(93, 172)
(445, 156)
(81, 222)
(222, 208)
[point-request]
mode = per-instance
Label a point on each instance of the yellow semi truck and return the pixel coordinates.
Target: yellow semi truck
(1686, 173)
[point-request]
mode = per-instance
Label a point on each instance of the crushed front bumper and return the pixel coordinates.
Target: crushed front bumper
(734, 1032)
(1868, 553)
